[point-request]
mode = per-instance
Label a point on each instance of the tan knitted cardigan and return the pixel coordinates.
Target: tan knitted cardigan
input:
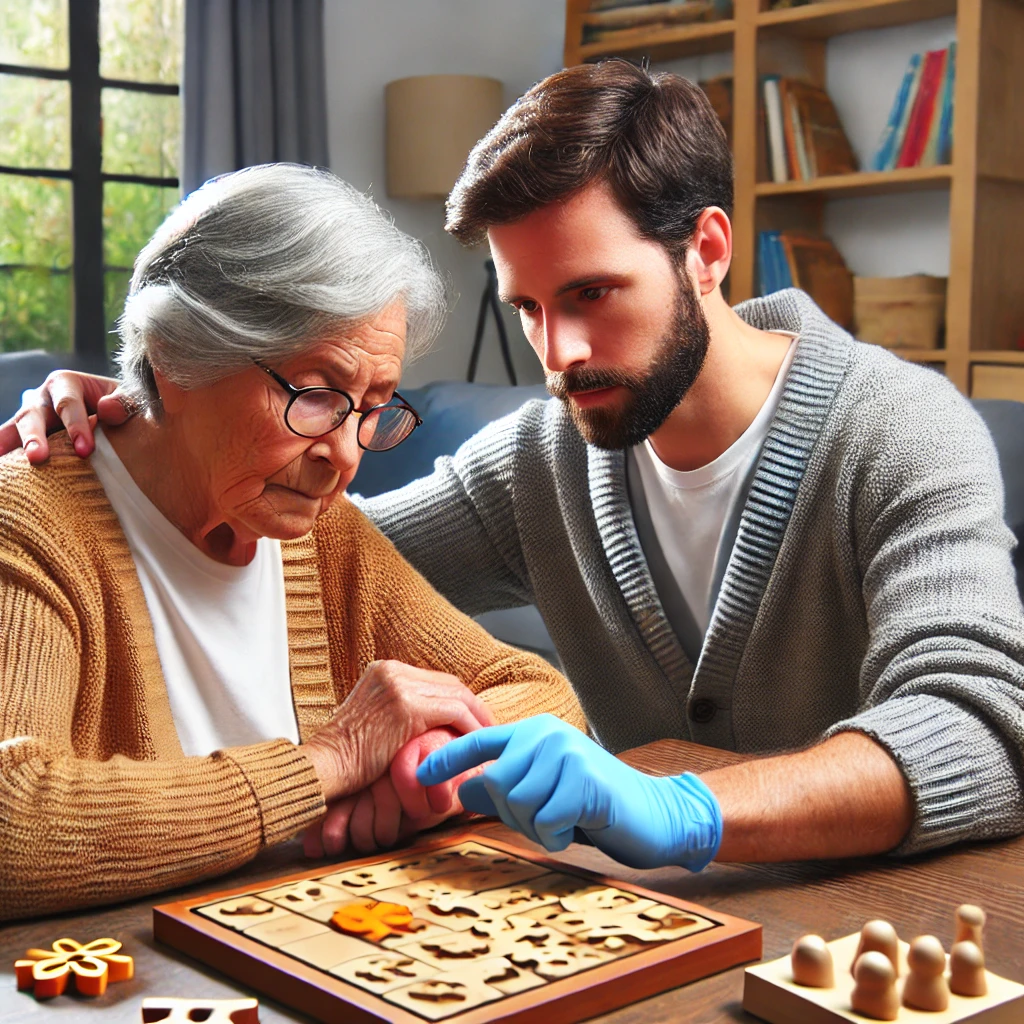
(97, 801)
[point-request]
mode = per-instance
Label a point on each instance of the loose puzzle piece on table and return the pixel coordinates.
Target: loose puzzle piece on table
(460, 927)
(91, 967)
(769, 992)
(212, 1011)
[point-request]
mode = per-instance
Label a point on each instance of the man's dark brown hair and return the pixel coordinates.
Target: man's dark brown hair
(653, 137)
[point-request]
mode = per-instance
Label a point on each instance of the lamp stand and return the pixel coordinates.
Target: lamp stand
(489, 300)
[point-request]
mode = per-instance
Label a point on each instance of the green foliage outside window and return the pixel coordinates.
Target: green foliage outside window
(140, 40)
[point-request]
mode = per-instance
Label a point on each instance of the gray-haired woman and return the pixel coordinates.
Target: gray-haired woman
(204, 647)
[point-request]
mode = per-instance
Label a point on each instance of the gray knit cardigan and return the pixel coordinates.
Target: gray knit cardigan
(870, 586)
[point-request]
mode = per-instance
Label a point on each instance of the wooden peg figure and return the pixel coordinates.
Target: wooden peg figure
(881, 937)
(967, 969)
(812, 962)
(874, 991)
(970, 923)
(925, 987)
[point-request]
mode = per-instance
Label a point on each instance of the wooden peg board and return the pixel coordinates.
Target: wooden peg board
(769, 992)
(498, 934)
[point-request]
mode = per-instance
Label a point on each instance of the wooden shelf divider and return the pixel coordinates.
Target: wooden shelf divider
(862, 183)
(836, 17)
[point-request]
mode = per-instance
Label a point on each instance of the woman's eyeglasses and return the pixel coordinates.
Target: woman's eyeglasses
(313, 412)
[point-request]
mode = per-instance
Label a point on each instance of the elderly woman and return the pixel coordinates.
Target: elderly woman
(203, 644)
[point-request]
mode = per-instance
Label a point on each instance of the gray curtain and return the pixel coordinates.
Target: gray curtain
(253, 89)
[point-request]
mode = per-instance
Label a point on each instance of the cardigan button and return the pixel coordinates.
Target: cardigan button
(703, 710)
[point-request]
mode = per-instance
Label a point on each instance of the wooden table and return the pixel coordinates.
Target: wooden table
(830, 898)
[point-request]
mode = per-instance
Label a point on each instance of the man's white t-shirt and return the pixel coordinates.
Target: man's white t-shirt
(689, 509)
(221, 630)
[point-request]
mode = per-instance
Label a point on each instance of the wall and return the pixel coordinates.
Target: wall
(369, 44)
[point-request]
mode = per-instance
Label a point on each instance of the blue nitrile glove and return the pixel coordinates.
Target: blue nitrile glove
(548, 778)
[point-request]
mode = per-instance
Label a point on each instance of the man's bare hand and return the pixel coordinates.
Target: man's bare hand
(390, 705)
(66, 399)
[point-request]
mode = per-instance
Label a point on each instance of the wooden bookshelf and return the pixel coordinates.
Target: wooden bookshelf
(863, 183)
(985, 296)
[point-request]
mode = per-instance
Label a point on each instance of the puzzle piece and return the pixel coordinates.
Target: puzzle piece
(498, 972)
(92, 966)
(372, 919)
(327, 950)
(242, 913)
(282, 930)
(602, 897)
(382, 972)
(392, 874)
(517, 899)
(443, 996)
(213, 1011)
(558, 959)
(444, 951)
(654, 923)
(311, 898)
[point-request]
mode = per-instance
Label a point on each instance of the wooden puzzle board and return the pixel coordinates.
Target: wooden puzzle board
(770, 992)
(498, 933)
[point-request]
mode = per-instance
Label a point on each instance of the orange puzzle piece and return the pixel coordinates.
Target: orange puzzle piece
(372, 920)
(47, 971)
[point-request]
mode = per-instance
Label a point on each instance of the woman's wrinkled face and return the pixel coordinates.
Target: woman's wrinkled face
(262, 479)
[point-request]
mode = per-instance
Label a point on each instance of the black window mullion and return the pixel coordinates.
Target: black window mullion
(87, 177)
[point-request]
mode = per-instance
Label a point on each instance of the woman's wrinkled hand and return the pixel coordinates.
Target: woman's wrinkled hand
(391, 704)
(66, 399)
(393, 808)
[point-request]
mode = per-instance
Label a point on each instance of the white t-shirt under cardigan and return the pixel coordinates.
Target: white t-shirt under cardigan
(220, 630)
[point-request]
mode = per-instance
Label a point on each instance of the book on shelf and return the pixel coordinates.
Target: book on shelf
(719, 92)
(774, 130)
(804, 135)
(609, 23)
(919, 130)
(798, 259)
(924, 109)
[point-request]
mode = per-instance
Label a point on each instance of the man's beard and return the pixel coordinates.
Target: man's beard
(653, 395)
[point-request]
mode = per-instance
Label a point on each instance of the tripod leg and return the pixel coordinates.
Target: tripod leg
(506, 352)
(478, 338)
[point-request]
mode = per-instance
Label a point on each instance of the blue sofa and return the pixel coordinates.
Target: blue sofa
(452, 413)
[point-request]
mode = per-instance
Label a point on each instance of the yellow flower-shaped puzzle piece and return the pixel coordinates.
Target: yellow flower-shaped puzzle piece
(47, 971)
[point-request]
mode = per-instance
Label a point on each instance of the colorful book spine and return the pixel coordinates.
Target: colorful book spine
(945, 148)
(930, 154)
(901, 130)
(799, 157)
(924, 109)
(884, 157)
(776, 135)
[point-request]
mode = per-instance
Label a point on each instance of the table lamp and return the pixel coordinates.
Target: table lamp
(433, 121)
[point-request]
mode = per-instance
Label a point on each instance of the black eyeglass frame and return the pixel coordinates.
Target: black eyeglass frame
(295, 393)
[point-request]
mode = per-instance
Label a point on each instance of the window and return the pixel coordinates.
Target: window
(89, 156)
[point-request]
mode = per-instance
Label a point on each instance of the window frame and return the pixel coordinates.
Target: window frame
(86, 174)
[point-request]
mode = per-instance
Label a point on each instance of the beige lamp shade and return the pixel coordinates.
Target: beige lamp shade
(433, 121)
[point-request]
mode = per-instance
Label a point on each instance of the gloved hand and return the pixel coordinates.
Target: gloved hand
(549, 778)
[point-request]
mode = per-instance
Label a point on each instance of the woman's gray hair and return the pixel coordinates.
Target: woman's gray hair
(261, 263)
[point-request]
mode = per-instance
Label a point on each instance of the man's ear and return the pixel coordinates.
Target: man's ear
(172, 396)
(710, 251)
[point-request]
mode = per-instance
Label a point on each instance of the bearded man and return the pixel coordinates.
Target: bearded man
(741, 527)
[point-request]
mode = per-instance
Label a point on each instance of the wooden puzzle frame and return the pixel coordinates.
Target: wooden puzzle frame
(328, 998)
